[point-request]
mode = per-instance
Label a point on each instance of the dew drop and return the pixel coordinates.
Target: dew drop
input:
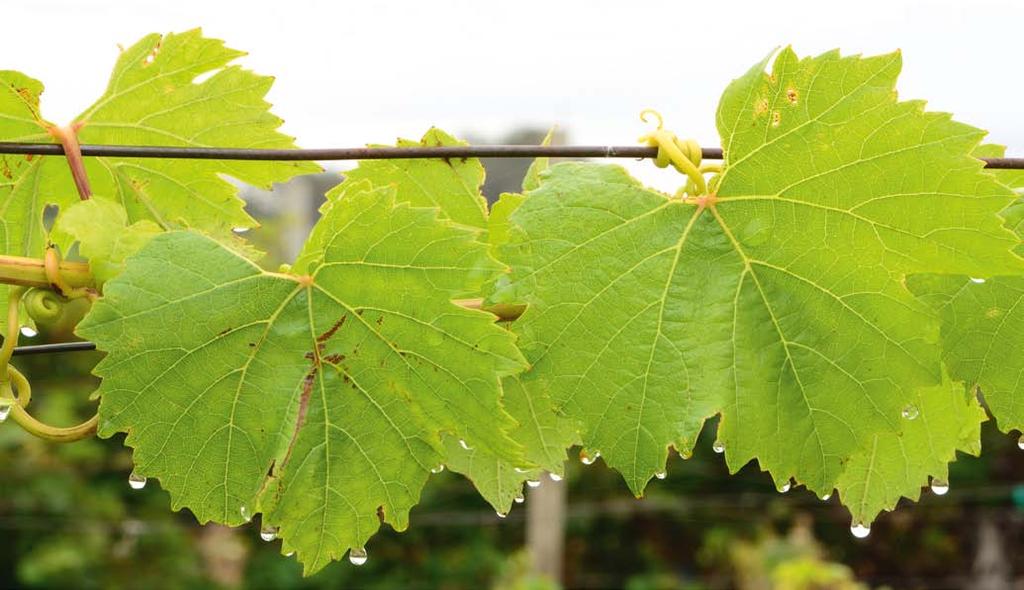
(589, 459)
(661, 475)
(438, 469)
(520, 499)
(462, 443)
(240, 230)
(357, 556)
(939, 487)
(718, 447)
(860, 531)
(28, 332)
(501, 514)
(245, 514)
(5, 409)
(268, 533)
(785, 487)
(289, 554)
(136, 481)
(555, 477)
(685, 454)
(826, 497)
(1020, 441)
(977, 281)
(521, 470)
(910, 412)
(533, 483)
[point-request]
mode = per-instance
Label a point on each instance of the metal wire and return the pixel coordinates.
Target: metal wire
(52, 348)
(385, 153)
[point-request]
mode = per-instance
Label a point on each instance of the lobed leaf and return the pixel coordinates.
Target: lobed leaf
(781, 305)
(318, 399)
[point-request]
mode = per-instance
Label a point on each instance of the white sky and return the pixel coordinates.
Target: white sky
(350, 73)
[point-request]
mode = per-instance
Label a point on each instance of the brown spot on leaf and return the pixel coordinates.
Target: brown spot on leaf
(776, 118)
(792, 95)
(332, 330)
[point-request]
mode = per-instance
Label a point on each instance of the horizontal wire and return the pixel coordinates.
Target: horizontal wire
(363, 153)
(374, 153)
(53, 348)
(385, 153)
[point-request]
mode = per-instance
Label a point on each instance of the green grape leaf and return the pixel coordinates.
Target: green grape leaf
(545, 436)
(939, 421)
(451, 184)
(319, 399)
(779, 301)
(152, 99)
(104, 236)
(982, 336)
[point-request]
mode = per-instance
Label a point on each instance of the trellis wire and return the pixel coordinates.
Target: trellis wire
(385, 153)
(365, 153)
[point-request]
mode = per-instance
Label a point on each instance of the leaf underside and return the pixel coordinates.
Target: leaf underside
(319, 400)
(783, 307)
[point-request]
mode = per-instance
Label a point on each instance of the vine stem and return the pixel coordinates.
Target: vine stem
(68, 138)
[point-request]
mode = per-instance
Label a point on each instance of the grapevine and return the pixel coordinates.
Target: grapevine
(836, 291)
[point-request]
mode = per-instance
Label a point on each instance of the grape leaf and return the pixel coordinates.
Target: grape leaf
(152, 99)
(451, 184)
(780, 304)
(104, 236)
(319, 398)
(942, 420)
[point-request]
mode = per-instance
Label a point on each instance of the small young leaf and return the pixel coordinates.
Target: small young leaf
(450, 184)
(101, 229)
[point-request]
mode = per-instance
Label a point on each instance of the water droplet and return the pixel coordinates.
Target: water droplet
(5, 409)
(533, 483)
(136, 481)
(521, 470)
(289, 554)
(661, 475)
(977, 281)
(357, 556)
(910, 412)
(240, 230)
(785, 487)
(438, 469)
(939, 487)
(28, 332)
(555, 477)
(860, 531)
(685, 454)
(589, 459)
(1020, 441)
(501, 514)
(520, 499)
(268, 533)
(462, 443)
(245, 514)
(826, 497)
(718, 447)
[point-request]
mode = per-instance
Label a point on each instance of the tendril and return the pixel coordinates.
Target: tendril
(43, 305)
(683, 155)
(51, 264)
(11, 379)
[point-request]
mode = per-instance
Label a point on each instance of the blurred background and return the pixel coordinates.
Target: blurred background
(355, 73)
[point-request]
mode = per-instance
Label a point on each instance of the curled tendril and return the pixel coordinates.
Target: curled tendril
(43, 305)
(36, 428)
(11, 380)
(683, 155)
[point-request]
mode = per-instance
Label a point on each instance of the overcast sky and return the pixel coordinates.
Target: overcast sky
(350, 73)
